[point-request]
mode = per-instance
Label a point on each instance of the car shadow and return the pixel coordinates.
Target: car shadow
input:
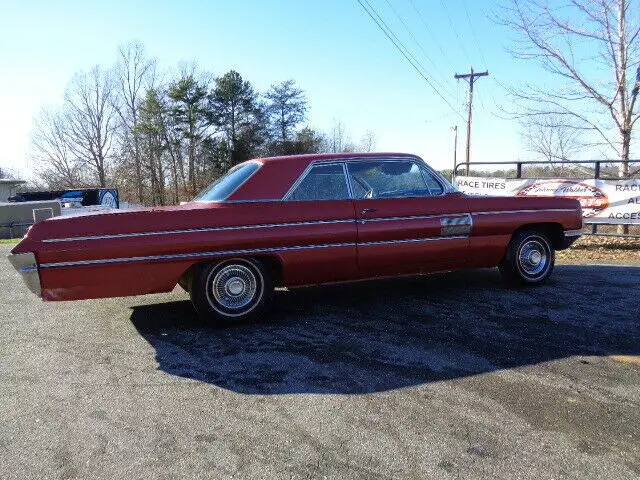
(382, 335)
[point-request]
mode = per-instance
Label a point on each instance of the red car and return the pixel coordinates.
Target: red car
(292, 221)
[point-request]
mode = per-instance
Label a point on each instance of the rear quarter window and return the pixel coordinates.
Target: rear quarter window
(322, 182)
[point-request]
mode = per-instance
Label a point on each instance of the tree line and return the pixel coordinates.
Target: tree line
(161, 138)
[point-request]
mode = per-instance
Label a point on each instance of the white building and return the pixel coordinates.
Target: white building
(8, 187)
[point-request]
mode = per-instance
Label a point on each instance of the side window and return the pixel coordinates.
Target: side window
(387, 179)
(434, 185)
(322, 182)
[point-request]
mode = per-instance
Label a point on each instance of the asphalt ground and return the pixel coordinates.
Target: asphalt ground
(446, 376)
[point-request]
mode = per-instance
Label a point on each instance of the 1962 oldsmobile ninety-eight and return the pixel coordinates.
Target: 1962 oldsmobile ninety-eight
(293, 221)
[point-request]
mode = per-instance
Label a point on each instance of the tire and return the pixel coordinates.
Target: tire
(529, 260)
(232, 291)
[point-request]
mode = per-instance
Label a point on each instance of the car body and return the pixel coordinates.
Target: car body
(294, 221)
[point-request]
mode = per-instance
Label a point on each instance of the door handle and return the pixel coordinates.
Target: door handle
(368, 210)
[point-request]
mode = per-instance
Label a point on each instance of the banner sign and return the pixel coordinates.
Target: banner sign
(603, 201)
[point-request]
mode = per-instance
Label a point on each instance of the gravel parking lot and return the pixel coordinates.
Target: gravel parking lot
(447, 376)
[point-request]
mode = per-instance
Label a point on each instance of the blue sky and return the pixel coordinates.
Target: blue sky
(348, 68)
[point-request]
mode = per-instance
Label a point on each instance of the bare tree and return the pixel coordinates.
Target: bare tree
(57, 165)
(92, 119)
(339, 139)
(135, 74)
(591, 48)
(368, 141)
(550, 138)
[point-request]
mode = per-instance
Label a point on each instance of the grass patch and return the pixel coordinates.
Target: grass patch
(9, 241)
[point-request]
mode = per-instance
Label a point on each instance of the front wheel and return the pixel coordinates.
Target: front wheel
(529, 260)
(232, 291)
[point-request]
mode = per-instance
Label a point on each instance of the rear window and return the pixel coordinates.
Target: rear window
(227, 184)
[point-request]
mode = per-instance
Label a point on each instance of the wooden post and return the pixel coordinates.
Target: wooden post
(470, 77)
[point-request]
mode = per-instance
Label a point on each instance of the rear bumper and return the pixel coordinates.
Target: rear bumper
(26, 265)
(569, 237)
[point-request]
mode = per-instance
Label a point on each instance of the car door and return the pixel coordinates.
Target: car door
(322, 228)
(407, 221)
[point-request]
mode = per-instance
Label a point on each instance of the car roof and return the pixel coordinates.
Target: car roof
(308, 158)
(277, 174)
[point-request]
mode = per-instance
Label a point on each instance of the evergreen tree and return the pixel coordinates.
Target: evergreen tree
(192, 115)
(287, 107)
(239, 114)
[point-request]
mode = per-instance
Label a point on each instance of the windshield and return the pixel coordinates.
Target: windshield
(227, 184)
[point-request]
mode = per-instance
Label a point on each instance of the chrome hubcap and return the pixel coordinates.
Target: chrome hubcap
(234, 287)
(533, 257)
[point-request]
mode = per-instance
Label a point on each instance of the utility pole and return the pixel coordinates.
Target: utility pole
(454, 129)
(470, 77)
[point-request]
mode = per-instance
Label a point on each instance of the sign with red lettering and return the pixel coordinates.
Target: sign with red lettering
(603, 201)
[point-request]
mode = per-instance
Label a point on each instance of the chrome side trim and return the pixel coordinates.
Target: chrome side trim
(573, 233)
(196, 230)
(259, 200)
(26, 265)
(498, 212)
(412, 240)
(413, 217)
(291, 224)
(180, 256)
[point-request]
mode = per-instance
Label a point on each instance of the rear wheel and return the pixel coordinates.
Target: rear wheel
(529, 260)
(232, 291)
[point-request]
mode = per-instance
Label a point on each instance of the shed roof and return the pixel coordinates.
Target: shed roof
(11, 181)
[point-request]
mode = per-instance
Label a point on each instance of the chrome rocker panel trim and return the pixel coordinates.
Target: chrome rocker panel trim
(221, 253)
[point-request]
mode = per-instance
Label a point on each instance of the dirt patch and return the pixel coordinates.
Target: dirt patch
(607, 249)
(632, 359)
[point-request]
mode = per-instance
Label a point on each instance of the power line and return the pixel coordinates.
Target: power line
(473, 31)
(415, 40)
(406, 50)
(407, 54)
(439, 117)
(433, 37)
(455, 31)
